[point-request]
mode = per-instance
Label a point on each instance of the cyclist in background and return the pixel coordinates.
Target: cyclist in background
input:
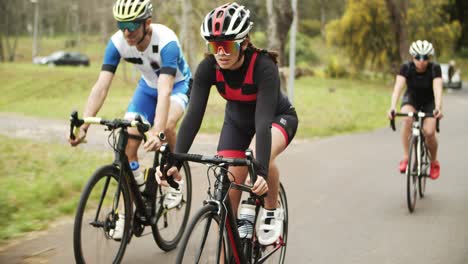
(161, 95)
(256, 113)
(423, 80)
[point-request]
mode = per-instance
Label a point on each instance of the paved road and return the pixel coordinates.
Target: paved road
(347, 203)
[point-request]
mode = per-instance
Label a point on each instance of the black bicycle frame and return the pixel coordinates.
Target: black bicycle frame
(228, 221)
(221, 194)
(121, 161)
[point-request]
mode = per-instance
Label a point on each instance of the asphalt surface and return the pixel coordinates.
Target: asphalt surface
(347, 201)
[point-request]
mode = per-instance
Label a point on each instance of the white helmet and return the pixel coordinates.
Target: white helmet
(421, 47)
(227, 22)
(132, 10)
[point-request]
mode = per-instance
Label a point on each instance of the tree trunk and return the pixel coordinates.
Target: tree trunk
(398, 11)
(12, 28)
(461, 7)
(2, 55)
(280, 17)
(186, 35)
(323, 18)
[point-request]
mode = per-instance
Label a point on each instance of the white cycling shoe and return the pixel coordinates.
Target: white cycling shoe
(173, 197)
(117, 233)
(269, 225)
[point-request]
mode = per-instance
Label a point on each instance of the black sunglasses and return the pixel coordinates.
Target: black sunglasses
(422, 57)
(130, 25)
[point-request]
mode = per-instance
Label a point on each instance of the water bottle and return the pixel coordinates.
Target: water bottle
(139, 175)
(246, 218)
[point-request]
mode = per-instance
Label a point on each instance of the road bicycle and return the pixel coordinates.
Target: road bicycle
(112, 191)
(418, 167)
(212, 235)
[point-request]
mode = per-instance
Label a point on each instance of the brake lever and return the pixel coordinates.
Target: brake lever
(167, 161)
(392, 121)
(140, 127)
(75, 124)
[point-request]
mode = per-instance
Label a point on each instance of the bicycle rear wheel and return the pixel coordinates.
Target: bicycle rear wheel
(412, 174)
(278, 249)
(96, 216)
(171, 222)
(200, 242)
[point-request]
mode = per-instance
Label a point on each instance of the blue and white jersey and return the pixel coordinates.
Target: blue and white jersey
(163, 55)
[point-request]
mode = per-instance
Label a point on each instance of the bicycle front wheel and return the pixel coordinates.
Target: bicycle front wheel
(200, 242)
(424, 171)
(96, 217)
(173, 212)
(412, 175)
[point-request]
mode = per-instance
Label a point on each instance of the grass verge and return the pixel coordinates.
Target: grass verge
(325, 106)
(40, 182)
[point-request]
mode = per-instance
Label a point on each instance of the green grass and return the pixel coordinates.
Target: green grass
(53, 92)
(40, 182)
(328, 107)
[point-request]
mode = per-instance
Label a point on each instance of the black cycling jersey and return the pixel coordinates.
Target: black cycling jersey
(420, 85)
(251, 107)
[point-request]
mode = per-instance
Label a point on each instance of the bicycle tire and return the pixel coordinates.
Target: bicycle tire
(424, 169)
(170, 243)
(412, 175)
(209, 212)
(284, 202)
(80, 236)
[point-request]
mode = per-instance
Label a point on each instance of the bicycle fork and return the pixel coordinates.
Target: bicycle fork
(417, 135)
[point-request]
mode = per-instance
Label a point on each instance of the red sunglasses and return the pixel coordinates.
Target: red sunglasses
(228, 46)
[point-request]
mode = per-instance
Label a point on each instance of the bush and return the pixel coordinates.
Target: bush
(463, 52)
(310, 27)
(335, 69)
(259, 39)
(304, 53)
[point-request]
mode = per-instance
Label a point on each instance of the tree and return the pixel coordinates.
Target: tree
(320, 12)
(13, 18)
(280, 16)
(458, 10)
(372, 34)
(364, 33)
(398, 11)
(429, 20)
(2, 56)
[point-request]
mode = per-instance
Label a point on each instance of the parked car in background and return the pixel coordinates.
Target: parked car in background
(60, 58)
(451, 76)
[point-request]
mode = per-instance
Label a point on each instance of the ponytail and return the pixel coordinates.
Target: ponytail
(273, 54)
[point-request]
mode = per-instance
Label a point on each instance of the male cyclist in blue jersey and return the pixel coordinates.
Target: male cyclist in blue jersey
(161, 95)
(423, 79)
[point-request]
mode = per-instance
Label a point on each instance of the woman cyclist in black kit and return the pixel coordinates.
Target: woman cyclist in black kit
(423, 79)
(257, 114)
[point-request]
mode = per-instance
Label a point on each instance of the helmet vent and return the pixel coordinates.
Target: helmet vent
(220, 14)
(217, 26)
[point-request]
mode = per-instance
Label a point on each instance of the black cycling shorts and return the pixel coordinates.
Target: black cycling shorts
(235, 137)
(427, 107)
